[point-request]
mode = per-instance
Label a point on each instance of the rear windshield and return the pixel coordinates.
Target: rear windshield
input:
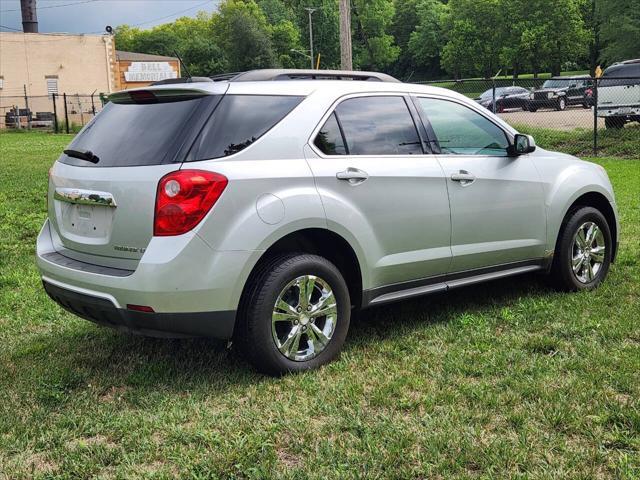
(130, 134)
(621, 75)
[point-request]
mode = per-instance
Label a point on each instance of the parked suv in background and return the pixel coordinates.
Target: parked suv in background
(268, 207)
(559, 92)
(619, 94)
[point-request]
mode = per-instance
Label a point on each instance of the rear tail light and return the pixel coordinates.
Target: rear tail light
(588, 92)
(184, 198)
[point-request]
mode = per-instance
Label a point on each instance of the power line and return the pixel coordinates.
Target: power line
(53, 6)
(166, 16)
(11, 28)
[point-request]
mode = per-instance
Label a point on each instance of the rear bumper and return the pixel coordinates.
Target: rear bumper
(624, 111)
(103, 312)
(194, 289)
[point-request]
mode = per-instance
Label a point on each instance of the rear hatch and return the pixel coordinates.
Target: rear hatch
(101, 206)
(620, 86)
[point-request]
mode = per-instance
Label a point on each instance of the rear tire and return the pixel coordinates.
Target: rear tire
(583, 251)
(283, 327)
(533, 109)
(613, 122)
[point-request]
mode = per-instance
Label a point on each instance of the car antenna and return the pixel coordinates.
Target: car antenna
(184, 67)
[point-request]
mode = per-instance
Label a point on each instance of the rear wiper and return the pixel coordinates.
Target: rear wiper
(82, 155)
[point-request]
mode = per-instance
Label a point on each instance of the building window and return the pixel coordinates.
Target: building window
(1, 83)
(52, 85)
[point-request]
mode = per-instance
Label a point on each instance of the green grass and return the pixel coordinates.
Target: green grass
(624, 143)
(508, 379)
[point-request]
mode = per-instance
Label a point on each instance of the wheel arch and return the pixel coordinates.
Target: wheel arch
(600, 202)
(322, 242)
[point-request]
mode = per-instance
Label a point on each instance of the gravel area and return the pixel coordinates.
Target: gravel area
(569, 119)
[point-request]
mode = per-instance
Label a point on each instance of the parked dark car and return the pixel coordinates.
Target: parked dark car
(560, 92)
(506, 97)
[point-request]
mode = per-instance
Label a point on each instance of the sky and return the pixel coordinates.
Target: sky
(92, 16)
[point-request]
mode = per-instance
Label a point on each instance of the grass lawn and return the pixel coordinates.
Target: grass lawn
(508, 379)
(624, 143)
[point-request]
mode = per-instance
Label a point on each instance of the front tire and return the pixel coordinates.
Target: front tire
(294, 315)
(562, 104)
(583, 251)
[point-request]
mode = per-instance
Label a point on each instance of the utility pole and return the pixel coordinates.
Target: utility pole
(346, 61)
(311, 10)
(26, 104)
(29, 16)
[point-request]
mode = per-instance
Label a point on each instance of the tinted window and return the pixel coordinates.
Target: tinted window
(238, 121)
(132, 134)
(460, 130)
(378, 126)
(612, 75)
(489, 93)
(329, 139)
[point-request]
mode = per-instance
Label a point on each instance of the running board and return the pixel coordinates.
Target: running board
(445, 284)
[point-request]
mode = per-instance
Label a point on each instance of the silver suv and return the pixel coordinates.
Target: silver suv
(267, 207)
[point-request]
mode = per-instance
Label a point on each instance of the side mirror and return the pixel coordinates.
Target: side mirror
(522, 144)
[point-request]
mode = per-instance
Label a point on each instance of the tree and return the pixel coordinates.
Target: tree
(326, 29)
(475, 35)
(620, 29)
(285, 37)
(242, 31)
(374, 47)
(427, 40)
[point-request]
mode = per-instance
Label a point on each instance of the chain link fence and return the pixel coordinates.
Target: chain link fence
(572, 114)
(577, 115)
(59, 113)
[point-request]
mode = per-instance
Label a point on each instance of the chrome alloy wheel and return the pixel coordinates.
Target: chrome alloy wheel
(588, 252)
(304, 318)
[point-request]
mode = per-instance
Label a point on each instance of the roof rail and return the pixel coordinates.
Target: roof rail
(294, 74)
(222, 77)
(168, 81)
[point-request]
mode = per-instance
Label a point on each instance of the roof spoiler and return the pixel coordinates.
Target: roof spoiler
(164, 95)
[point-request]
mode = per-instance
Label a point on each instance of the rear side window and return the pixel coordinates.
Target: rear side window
(130, 134)
(329, 139)
(378, 126)
(238, 121)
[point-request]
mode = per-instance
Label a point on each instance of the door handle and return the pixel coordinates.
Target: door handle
(465, 178)
(353, 175)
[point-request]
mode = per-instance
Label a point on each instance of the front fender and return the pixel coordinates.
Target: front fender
(569, 185)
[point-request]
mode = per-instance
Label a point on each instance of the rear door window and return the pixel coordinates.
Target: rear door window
(238, 121)
(378, 126)
(136, 134)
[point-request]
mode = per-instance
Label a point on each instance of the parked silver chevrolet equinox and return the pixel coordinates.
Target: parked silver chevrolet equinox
(268, 206)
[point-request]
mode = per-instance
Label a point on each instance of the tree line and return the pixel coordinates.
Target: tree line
(411, 39)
